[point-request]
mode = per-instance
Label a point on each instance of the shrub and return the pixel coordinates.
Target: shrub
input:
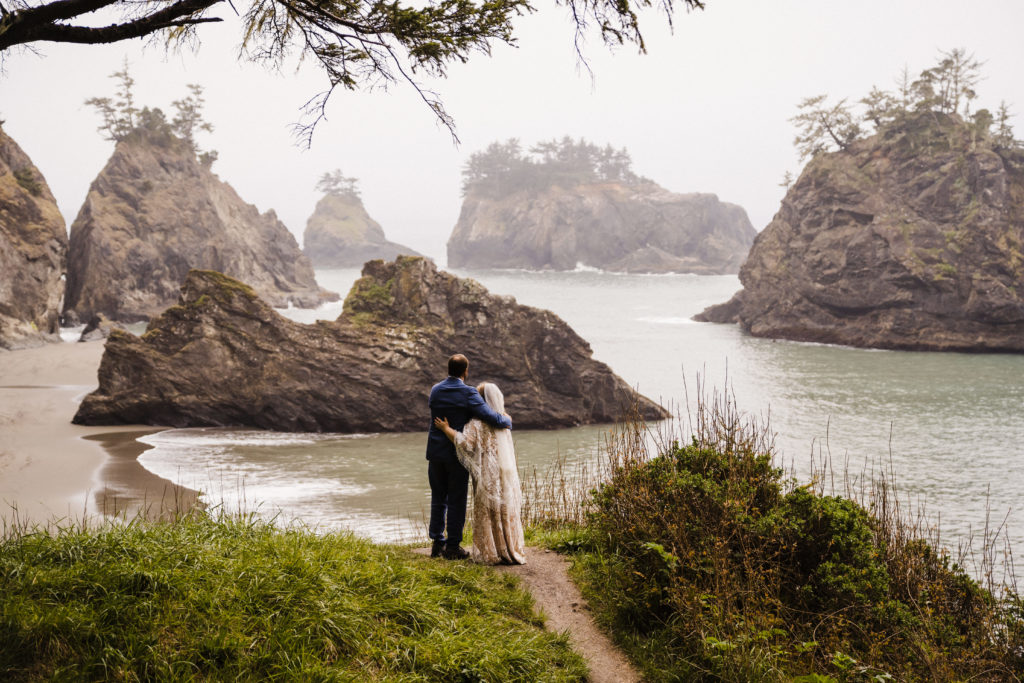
(28, 181)
(705, 563)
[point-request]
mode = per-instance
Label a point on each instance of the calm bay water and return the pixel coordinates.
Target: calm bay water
(951, 423)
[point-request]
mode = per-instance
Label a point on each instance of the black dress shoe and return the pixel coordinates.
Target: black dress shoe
(437, 549)
(456, 553)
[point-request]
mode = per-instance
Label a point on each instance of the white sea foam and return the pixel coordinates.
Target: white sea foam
(71, 334)
(222, 436)
(666, 320)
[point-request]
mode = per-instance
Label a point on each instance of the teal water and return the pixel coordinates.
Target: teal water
(949, 425)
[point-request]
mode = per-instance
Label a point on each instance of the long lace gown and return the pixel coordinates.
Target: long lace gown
(489, 456)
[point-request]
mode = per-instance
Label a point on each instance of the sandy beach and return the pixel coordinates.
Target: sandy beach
(54, 471)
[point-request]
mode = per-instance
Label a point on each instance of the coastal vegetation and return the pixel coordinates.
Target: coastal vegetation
(706, 563)
(123, 120)
(218, 597)
(947, 87)
(338, 184)
(505, 167)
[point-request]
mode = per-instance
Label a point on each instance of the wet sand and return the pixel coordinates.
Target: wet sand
(126, 488)
(52, 471)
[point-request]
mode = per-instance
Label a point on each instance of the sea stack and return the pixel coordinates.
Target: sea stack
(614, 226)
(222, 356)
(569, 203)
(156, 211)
(33, 252)
(912, 238)
(341, 234)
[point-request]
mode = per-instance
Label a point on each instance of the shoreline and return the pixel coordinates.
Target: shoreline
(127, 489)
(53, 472)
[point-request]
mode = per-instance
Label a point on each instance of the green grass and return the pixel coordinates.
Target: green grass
(235, 598)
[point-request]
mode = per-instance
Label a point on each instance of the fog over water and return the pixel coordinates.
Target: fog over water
(706, 110)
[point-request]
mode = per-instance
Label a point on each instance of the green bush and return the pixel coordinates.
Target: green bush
(706, 565)
(28, 181)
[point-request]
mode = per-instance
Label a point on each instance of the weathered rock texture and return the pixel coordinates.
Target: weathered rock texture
(224, 357)
(630, 228)
(340, 234)
(910, 239)
(33, 252)
(153, 213)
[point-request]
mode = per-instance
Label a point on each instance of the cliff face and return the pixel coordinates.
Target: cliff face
(911, 239)
(224, 357)
(630, 228)
(153, 213)
(340, 234)
(33, 252)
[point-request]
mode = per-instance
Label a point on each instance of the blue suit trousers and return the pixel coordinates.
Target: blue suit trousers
(449, 482)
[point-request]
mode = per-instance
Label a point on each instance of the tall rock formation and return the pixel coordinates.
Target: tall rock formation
(33, 252)
(153, 213)
(340, 234)
(224, 357)
(910, 239)
(637, 228)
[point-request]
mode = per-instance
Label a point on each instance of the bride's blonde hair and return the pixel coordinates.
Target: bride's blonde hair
(492, 394)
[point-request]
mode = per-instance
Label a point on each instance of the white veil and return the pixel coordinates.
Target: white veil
(495, 399)
(490, 456)
(510, 490)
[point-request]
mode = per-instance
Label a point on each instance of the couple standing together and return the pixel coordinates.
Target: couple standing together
(469, 435)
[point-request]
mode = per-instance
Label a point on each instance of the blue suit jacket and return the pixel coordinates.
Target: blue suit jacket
(454, 399)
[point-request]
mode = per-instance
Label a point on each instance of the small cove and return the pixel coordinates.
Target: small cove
(948, 425)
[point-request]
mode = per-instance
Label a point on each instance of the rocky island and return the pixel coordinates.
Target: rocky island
(912, 238)
(340, 233)
(155, 211)
(222, 356)
(570, 203)
(33, 252)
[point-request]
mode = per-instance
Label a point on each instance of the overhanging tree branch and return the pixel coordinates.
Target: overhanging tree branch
(41, 23)
(358, 44)
(59, 10)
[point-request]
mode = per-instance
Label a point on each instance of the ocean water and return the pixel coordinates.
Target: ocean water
(948, 426)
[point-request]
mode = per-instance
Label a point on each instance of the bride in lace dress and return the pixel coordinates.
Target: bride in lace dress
(489, 456)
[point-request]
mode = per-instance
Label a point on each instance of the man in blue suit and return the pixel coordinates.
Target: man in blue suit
(459, 403)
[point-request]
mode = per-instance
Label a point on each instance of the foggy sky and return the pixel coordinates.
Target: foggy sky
(706, 110)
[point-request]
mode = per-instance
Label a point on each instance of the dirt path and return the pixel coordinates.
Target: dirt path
(546, 576)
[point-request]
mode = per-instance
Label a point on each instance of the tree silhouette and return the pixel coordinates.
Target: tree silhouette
(821, 126)
(356, 43)
(338, 184)
(504, 167)
(119, 114)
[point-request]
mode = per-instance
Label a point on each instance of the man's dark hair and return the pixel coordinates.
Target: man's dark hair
(457, 365)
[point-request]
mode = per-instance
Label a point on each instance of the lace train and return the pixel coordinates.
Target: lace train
(489, 455)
